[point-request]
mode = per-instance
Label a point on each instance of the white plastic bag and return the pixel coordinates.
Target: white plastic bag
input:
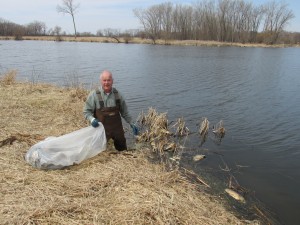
(69, 149)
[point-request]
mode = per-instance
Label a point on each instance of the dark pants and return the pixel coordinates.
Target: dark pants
(112, 123)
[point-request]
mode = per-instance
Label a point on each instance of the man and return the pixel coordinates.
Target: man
(107, 105)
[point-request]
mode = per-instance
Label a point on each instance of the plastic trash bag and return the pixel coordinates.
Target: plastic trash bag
(69, 149)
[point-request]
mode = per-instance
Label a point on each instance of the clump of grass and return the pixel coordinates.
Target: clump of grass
(9, 77)
(155, 130)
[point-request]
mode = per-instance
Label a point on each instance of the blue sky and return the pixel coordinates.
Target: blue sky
(93, 15)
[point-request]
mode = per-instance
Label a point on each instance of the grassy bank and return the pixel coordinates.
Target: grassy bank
(111, 188)
(148, 41)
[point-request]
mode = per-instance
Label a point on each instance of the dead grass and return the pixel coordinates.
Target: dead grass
(111, 188)
(149, 41)
(9, 78)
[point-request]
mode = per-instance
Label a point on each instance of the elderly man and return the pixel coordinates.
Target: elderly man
(107, 105)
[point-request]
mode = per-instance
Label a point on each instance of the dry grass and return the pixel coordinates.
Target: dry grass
(111, 188)
(203, 130)
(156, 130)
(9, 78)
(148, 41)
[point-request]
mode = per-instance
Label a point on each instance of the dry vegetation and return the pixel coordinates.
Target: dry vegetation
(149, 41)
(111, 188)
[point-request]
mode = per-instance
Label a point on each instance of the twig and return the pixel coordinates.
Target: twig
(202, 182)
(197, 177)
(262, 214)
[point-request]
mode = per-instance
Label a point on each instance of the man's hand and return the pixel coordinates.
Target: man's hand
(135, 130)
(95, 123)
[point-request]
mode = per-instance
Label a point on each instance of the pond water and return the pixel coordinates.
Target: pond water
(255, 91)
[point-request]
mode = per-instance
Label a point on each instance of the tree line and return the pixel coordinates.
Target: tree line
(38, 28)
(8, 28)
(221, 20)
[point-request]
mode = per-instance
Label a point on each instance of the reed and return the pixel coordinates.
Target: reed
(136, 40)
(219, 130)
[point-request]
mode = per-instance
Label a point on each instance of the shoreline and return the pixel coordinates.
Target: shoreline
(90, 193)
(199, 43)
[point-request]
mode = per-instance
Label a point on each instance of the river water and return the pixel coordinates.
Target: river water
(254, 91)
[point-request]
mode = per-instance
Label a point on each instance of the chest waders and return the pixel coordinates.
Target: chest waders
(111, 119)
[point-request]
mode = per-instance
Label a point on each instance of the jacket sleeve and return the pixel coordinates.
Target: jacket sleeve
(90, 106)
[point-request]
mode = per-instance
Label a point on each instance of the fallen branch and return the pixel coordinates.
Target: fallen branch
(28, 138)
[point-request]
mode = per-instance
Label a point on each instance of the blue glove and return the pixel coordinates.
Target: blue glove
(135, 130)
(95, 123)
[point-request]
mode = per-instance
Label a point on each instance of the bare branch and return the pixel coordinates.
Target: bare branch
(68, 7)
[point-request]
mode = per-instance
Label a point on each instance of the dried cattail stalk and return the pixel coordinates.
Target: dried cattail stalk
(219, 129)
(204, 127)
(181, 130)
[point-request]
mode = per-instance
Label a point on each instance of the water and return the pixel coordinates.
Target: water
(255, 91)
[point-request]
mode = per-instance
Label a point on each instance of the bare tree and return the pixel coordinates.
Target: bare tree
(57, 30)
(57, 33)
(224, 18)
(277, 17)
(156, 20)
(36, 28)
(241, 21)
(112, 33)
(151, 21)
(8, 28)
(256, 16)
(68, 7)
(132, 32)
(166, 19)
(205, 20)
(182, 21)
(99, 33)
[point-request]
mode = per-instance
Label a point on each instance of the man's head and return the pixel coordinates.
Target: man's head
(106, 80)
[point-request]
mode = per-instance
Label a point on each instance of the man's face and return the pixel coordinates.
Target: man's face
(106, 82)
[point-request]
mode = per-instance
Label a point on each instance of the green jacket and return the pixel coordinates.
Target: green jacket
(92, 102)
